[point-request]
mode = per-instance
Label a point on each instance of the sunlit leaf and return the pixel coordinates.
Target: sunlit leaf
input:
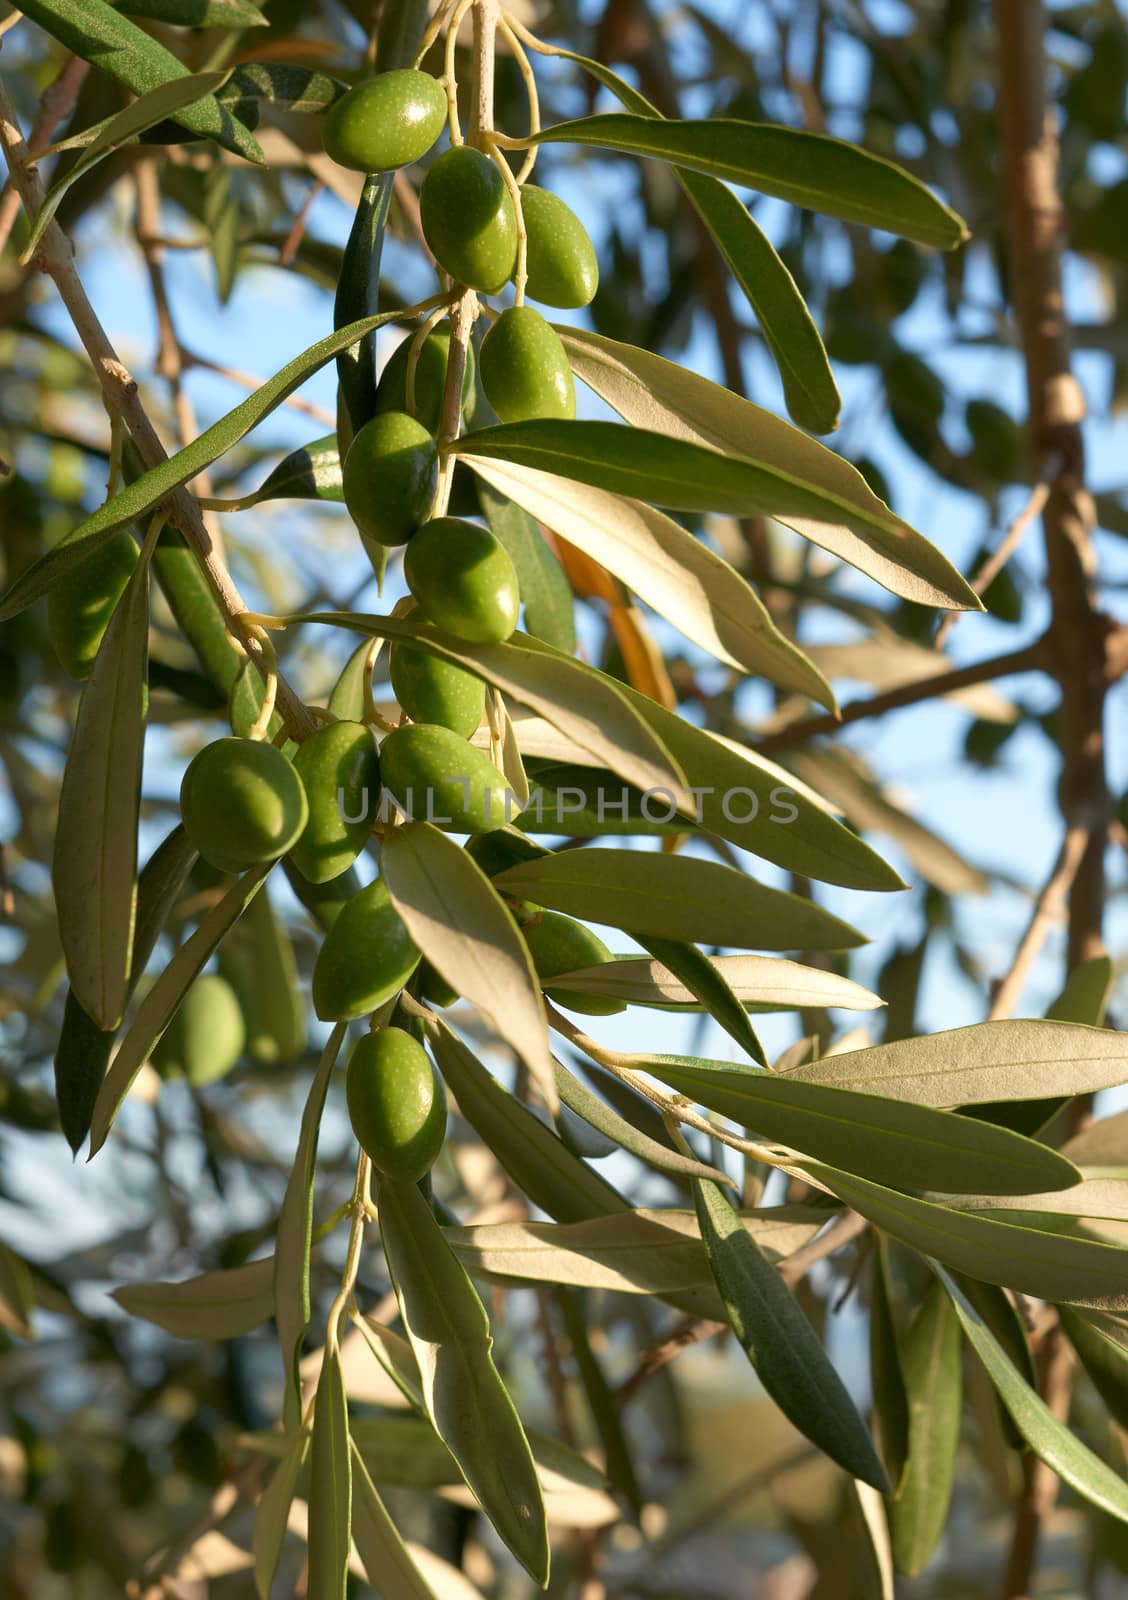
(215, 1305)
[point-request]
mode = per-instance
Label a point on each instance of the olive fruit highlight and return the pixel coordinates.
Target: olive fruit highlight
(559, 944)
(430, 379)
(463, 579)
(242, 803)
(80, 605)
(340, 771)
(390, 475)
(388, 122)
(561, 261)
(435, 776)
(430, 690)
(397, 1104)
(525, 371)
(367, 957)
(206, 1036)
(469, 220)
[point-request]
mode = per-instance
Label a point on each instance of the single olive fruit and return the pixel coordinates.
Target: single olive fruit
(367, 956)
(463, 579)
(435, 776)
(390, 121)
(206, 1036)
(561, 261)
(397, 1104)
(340, 772)
(433, 986)
(430, 380)
(390, 476)
(430, 690)
(241, 802)
(525, 371)
(80, 606)
(469, 220)
(560, 944)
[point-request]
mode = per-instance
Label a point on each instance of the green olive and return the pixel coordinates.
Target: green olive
(388, 122)
(366, 959)
(562, 266)
(435, 776)
(397, 1104)
(559, 944)
(469, 220)
(430, 380)
(430, 690)
(463, 579)
(80, 605)
(433, 986)
(206, 1036)
(242, 803)
(390, 476)
(340, 771)
(525, 371)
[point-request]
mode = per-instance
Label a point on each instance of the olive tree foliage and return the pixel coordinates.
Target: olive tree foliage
(238, 1355)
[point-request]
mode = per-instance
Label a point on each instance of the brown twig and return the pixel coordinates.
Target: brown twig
(251, 380)
(56, 104)
(1049, 908)
(1039, 1482)
(56, 258)
(998, 559)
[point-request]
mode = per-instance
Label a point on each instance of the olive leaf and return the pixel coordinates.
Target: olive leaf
(312, 472)
(779, 1341)
(467, 1401)
(196, 13)
(215, 1305)
(671, 571)
(95, 858)
(708, 985)
(464, 928)
(930, 1362)
(384, 1556)
(1105, 1361)
(273, 1511)
(546, 593)
(759, 983)
(17, 1295)
(97, 33)
(580, 1100)
(601, 1402)
(330, 1485)
(887, 1380)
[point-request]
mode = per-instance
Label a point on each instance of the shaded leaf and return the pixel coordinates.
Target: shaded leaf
(330, 1485)
(312, 472)
(273, 1511)
(1104, 1360)
(386, 1559)
(709, 986)
(215, 1305)
(930, 1360)
(599, 1115)
(887, 1381)
(601, 1403)
(546, 593)
(17, 1296)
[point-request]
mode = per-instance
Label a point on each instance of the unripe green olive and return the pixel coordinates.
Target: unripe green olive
(390, 476)
(430, 379)
(463, 579)
(433, 986)
(367, 956)
(561, 261)
(469, 220)
(435, 776)
(430, 690)
(80, 606)
(242, 803)
(397, 1104)
(206, 1036)
(560, 944)
(340, 772)
(388, 122)
(525, 371)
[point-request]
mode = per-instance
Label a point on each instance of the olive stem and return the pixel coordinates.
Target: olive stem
(434, 28)
(359, 1206)
(450, 77)
(117, 438)
(269, 668)
(525, 68)
(521, 273)
(414, 352)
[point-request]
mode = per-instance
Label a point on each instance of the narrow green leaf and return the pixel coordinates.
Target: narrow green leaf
(875, 1554)
(273, 1511)
(930, 1360)
(99, 34)
(95, 859)
(165, 100)
(346, 701)
(759, 983)
(17, 1295)
(671, 571)
(998, 1311)
(281, 85)
(330, 1485)
(892, 1142)
(640, 891)
(464, 928)
(216, 1305)
(356, 299)
(1027, 1060)
(275, 1010)
(681, 475)
(295, 1230)
(545, 591)
(195, 609)
(1104, 1360)
(196, 13)
(310, 473)
(156, 484)
(466, 1399)
(807, 169)
(1030, 1260)
(385, 1557)
(707, 983)
(599, 1115)
(780, 1343)
(158, 1007)
(1049, 1439)
(887, 1380)
(601, 1403)
(407, 1452)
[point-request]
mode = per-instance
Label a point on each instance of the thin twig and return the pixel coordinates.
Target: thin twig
(1049, 909)
(998, 559)
(57, 103)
